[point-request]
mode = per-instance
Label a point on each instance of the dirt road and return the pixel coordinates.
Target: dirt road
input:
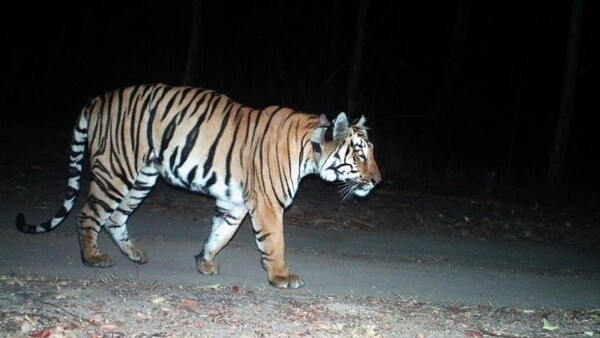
(332, 262)
(340, 265)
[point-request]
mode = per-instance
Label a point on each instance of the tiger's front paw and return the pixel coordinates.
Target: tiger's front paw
(138, 255)
(290, 281)
(208, 268)
(99, 261)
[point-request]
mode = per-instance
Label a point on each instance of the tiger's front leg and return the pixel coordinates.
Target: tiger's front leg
(226, 221)
(267, 224)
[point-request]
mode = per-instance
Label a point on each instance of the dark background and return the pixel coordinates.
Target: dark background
(55, 57)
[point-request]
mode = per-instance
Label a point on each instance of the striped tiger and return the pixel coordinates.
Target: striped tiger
(251, 161)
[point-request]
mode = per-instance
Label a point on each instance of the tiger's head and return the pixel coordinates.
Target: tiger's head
(347, 155)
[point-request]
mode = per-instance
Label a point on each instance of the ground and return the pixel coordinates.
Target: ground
(41, 307)
(405, 262)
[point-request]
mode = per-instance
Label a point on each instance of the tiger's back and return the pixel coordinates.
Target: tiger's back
(194, 139)
(250, 160)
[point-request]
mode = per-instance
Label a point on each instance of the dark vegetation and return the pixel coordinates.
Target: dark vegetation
(461, 96)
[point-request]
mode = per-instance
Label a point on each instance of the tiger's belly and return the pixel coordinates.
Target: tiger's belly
(212, 184)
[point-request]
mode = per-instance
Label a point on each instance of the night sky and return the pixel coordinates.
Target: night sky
(298, 53)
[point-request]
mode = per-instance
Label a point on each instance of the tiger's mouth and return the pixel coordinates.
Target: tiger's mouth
(360, 187)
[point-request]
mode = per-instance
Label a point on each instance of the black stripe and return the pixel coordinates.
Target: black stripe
(192, 175)
(119, 171)
(316, 147)
(168, 107)
(143, 188)
(212, 103)
(108, 189)
(82, 218)
(124, 212)
(190, 141)
(151, 114)
(220, 212)
(192, 137)
(74, 172)
(166, 139)
(329, 134)
(71, 192)
(211, 181)
(211, 152)
(237, 119)
(263, 237)
(243, 146)
(261, 155)
(184, 93)
(79, 130)
(173, 158)
(94, 201)
(62, 213)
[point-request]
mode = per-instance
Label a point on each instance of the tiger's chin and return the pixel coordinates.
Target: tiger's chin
(364, 191)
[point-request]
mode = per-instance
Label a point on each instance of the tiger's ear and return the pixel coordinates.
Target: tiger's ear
(323, 121)
(362, 122)
(341, 127)
(318, 135)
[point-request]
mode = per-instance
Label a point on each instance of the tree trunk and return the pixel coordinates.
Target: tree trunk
(356, 59)
(191, 67)
(453, 64)
(516, 117)
(333, 52)
(563, 123)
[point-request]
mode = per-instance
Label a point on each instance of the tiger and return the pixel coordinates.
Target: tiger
(250, 160)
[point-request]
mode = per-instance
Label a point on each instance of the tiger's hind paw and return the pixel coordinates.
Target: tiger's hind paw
(290, 281)
(99, 261)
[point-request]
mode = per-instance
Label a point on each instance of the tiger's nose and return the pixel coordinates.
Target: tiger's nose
(375, 180)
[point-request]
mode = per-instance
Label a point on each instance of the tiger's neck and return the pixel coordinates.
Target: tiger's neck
(317, 144)
(312, 159)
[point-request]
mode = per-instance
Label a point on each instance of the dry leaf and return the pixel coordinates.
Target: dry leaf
(109, 327)
(45, 333)
(190, 304)
(473, 334)
(97, 318)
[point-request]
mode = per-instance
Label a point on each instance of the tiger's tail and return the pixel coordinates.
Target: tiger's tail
(78, 144)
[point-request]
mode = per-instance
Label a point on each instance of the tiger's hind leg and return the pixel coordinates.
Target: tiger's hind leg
(116, 225)
(106, 194)
(226, 221)
(98, 207)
